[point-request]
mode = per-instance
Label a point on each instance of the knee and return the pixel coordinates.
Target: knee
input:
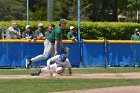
(59, 70)
(45, 56)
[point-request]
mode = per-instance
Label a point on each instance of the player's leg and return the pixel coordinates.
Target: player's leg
(53, 68)
(45, 69)
(59, 70)
(48, 47)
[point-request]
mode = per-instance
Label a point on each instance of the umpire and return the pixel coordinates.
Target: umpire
(50, 44)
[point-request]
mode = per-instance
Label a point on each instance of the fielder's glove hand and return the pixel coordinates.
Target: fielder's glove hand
(63, 51)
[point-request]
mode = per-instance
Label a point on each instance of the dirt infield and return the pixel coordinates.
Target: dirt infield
(128, 89)
(135, 75)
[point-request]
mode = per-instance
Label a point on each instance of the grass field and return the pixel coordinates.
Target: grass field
(54, 85)
(77, 71)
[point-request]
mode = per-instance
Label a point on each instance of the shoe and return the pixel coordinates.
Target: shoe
(34, 74)
(61, 74)
(54, 74)
(28, 63)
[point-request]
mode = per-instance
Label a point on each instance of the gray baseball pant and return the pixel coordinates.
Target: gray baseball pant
(48, 49)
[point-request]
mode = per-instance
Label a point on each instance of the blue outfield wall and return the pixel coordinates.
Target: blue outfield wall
(14, 54)
(112, 53)
(123, 55)
(93, 53)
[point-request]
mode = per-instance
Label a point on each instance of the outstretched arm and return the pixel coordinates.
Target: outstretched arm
(61, 43)
(55, 47)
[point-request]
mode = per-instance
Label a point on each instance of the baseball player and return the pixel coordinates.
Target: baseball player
(50, 44)
(60, 62)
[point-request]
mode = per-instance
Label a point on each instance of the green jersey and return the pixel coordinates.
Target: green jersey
(47, 34)
(71, 35)
(39, 32)
(135, 37)
(55, 35)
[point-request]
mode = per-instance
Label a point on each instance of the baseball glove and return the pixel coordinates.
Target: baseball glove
(63, 51)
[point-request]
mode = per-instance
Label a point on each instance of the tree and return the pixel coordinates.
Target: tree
(133, 5)
(128, 8)
(68, 9)
(91, 10)
(12, 10)
(38, 9)
(62, 9)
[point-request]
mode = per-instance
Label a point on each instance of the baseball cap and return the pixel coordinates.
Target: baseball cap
(136, 30)
(71, 27)
(27, 26)
(63, 57)
(62, 20)
(40, 24)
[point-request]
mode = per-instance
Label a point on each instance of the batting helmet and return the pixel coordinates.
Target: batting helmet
(63, 57)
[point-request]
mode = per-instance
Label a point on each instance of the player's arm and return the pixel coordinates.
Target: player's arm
(61, 43)
(70, 71)
(57, 39)
(55, 47)
(50, 60)
(54, 58)
(68, 65)
(63, 50)
(56, 44)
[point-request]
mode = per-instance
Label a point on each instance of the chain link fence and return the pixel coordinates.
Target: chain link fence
(2, 31)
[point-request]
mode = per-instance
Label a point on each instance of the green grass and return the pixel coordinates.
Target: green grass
(76, 71)
(15, 71)
(55, 85)
(106, 70)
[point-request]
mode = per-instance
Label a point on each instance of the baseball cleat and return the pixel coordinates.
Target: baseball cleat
(34, 74)
(28, 63)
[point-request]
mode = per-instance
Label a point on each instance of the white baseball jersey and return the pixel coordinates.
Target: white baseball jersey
(56, 59)
(57, 65)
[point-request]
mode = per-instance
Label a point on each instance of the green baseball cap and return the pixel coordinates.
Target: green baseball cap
(62, 20)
